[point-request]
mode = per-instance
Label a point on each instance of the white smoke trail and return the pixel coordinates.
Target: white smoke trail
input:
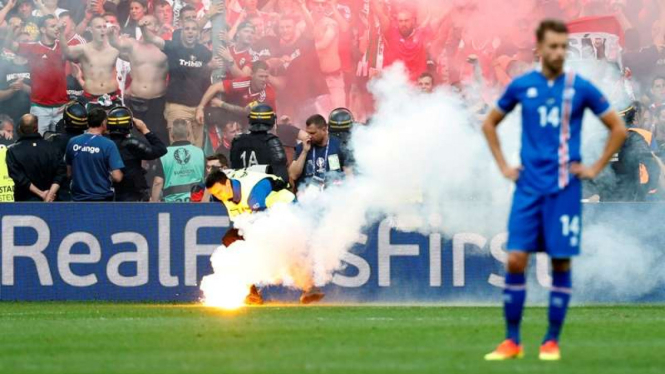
(423, 160)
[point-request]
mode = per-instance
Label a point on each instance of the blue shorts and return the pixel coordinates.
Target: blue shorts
(549, 223)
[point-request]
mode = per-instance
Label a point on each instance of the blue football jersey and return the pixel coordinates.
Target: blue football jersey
(552, 113)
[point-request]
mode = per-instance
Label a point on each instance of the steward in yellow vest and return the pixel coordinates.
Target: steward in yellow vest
(6, 183)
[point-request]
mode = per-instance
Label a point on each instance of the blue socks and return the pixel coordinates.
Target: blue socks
(514, 294)
(559, 297)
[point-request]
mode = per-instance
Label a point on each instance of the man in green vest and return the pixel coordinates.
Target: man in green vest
(180, 169)
(6, 183)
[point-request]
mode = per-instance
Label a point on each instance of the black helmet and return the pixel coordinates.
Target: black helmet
(340, 120)
(629, 114)
(120, 120)
(261, 118)
(75, 116)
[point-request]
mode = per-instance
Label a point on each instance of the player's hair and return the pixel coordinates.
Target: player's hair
(141, 2)
(179, 130)
(160, 3)
(553, 25)
(97, 16)
(216, 176)
(289, 18)
(426, 74)
(316, 120)
(260, 64)
(110, 14)
(96, 117)
(42, 20)
(219, 157)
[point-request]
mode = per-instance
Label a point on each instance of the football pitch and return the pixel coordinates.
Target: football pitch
(162, 338)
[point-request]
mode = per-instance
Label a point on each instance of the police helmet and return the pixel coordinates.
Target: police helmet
(629, 114)
(261, 118)
(75, 116)
(120, 120)
(340, 120)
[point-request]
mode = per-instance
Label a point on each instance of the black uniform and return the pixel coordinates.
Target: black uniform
(60, 141)
(259, 148)
(133, 186)
(33, 160)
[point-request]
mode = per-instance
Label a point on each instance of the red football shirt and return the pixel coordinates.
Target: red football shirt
(242, 58)
(239, 92)
(47, 72)
(411, 50)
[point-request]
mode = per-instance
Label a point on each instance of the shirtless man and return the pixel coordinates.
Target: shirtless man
(98, 61)
(149, 65)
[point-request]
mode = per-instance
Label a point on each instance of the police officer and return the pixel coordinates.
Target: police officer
(340, 124)
(35, 165)
(259, 146)
(133, 186)
(182, 168)
(74, 122)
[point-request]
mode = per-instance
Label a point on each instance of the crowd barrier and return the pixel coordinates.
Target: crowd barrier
(160, 252)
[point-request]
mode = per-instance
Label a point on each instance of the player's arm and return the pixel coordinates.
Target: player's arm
(327, 39)
(489, 129)
(298, 165)
(6, 9)
(617, 136)
(157, 186)
(122, 44)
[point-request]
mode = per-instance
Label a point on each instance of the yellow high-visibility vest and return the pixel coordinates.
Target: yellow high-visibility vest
(6, 183)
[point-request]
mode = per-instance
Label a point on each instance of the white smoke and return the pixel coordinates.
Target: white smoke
(422, 160)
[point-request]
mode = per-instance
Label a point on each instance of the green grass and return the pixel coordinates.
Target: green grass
(143, 338)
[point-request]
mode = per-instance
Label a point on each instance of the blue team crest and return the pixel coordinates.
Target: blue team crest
(532, 93)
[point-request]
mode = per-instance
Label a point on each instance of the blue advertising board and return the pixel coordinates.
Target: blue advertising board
(160, 252)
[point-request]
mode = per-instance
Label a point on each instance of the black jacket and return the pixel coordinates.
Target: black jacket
(133, 186)
(33, 160)
(60, 141)
(259, 148)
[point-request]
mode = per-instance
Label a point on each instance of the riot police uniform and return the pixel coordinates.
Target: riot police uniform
(259, 146)
(340, 124)
(133, 186)
(74, 122)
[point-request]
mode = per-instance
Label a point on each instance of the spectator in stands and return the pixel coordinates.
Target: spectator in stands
(34, 164)
(45, 7)
(48, 74)
(137, 10)
(230, 130)
(319, 160)
(238, 56)
(164, 14)
(149, 66)
(91, 159)
(6, 131)
(98, 64)
(182, 168)
(657, 92)
(189, 77)
(293, 56)
(326, 33)
(289, 135)
(426, 82)
(241, 94)
(31, 24)
(405, 40)
(15, 84)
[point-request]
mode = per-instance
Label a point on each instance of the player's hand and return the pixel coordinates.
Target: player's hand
(225, 54)
(62, 26)
(216, 102)
(200, 115)
(143, 22)
(215, 9)
(512, 173)
(50, 197)
(11, 4)
(583, 172)
(141, 126)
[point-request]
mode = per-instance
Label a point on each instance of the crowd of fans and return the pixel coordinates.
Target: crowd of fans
(187, 81)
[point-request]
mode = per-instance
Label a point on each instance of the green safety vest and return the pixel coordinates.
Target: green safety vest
(184, 167)
(6, 183)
